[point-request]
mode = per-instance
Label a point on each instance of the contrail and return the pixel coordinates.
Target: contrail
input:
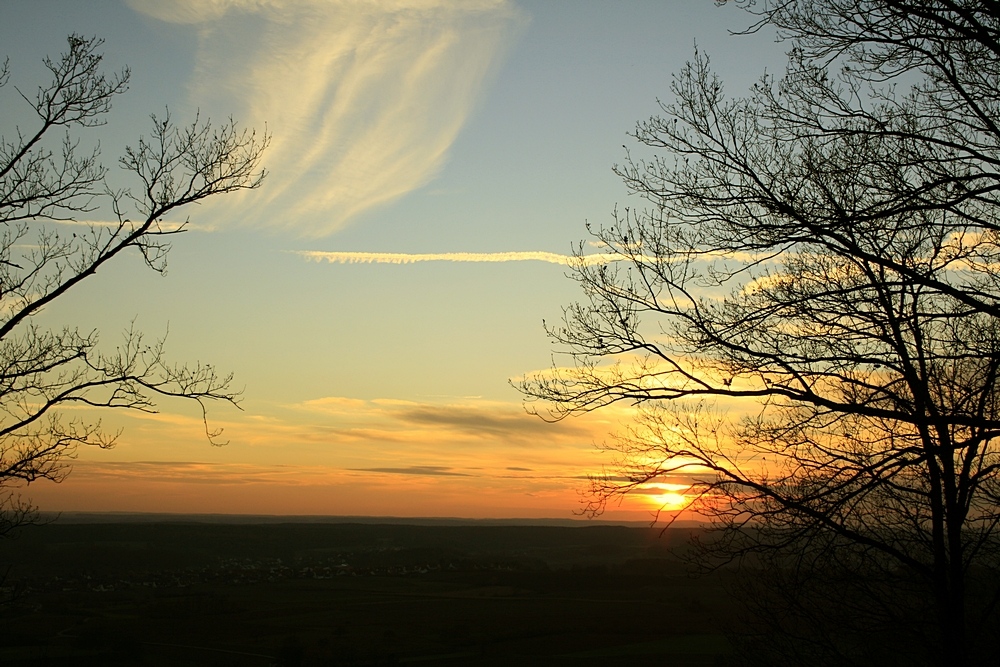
(162, 225)
(411, 258)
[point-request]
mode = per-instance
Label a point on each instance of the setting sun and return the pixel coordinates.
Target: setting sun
(666, 496)
(491, 320)
(671, 501)
(405, 152)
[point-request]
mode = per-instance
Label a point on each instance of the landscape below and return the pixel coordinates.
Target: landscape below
(186, 591)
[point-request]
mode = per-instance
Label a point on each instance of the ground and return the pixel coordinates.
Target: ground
(349, 594)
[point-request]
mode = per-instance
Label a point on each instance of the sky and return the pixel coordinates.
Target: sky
(432, 165)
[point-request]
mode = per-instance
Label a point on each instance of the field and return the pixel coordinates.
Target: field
(211, 593)
(206, 593)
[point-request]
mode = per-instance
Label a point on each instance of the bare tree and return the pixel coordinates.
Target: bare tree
(826, 250)
(46, 181)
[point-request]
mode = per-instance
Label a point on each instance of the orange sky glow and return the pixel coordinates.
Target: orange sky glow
(432, 166)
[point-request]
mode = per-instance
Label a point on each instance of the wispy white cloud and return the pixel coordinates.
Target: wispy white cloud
(363, 98)
(411, 258)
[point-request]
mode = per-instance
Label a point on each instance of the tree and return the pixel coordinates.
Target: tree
(47, 179)
(827, 250)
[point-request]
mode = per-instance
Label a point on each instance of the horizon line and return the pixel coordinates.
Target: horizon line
(126, 516)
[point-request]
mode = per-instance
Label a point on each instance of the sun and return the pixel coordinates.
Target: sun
(666, 496)
(670, 501)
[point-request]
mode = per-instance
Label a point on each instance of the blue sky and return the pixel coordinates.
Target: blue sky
(406, 126)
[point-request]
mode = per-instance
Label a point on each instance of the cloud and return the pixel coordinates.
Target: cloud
(511, 424)
(159, 225)
(363, 99)
(412, 422)
(411, 258)
(337, 440)
(336, 404)
(194, 472)
(197, 11)
(434, 471)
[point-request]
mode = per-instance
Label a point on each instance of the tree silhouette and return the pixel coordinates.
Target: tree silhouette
(46, 181)
(819, 258)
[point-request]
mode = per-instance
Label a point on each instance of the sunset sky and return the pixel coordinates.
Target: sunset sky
(431, 167)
